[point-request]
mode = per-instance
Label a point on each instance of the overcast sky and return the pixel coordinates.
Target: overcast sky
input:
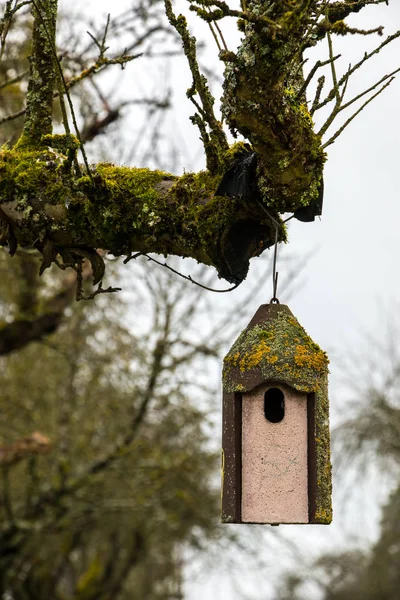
(352, 281)
(353, 273)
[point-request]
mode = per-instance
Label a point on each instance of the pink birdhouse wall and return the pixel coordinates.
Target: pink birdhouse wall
(274, 456)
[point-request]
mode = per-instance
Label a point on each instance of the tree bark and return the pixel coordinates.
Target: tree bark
(42, 74)
(127, 210)
(47, 203)
(263, 101)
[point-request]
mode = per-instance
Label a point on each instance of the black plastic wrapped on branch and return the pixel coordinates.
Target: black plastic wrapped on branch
(240, 180)
(307, 214)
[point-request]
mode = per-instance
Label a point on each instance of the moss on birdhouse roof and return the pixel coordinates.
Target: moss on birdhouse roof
(275, 347)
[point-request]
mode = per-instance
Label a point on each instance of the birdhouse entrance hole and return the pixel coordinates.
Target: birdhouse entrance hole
(274, 405)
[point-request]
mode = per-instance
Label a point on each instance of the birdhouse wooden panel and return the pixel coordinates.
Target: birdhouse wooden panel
(275, 454)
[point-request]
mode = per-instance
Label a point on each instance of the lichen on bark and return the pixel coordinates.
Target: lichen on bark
(48, 201)
(126, 210)
(261, 86)
(42, 75)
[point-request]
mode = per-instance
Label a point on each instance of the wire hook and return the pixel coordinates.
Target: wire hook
(274, 299)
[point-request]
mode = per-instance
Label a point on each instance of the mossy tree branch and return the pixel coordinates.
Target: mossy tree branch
(36, 320)
(125, 211)
(42, 76)
(48, 205)
(262, 81)
(215, 142)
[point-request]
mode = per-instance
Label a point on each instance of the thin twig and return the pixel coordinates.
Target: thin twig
(16, 115)
(71, 107)
(187, 277)
(384, 78)
(5, 22)
(221, 36)
(311, 74)
(333, 69)
(102, 45)
(339, 131)
(93, 70)
(15, 79)
(342, 95)
(339, 108)
(200, 86)
(215, 37)
(367, 56)
(321, 82)
(223, 10)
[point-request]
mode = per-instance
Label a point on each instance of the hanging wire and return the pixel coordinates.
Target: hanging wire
(274, 299)
(187, 277)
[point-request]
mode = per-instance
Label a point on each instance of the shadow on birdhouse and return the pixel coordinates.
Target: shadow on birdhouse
(275, 440)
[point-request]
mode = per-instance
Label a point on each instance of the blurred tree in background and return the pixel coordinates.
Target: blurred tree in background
(366, 449)
(106, 470)
(140, 30)
(118, 473)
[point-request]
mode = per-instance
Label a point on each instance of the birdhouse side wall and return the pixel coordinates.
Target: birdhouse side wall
(231, 467)
(321, 435)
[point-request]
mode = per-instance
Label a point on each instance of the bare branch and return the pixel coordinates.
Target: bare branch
(5, 22)
(358, 65)
(311, 74)
(321, 83)
(370, 89)
(22, 331)
(13, 80)
(98, 67)
(333, 70)
(12, 117)
(218, 143)
(339, 131)
(36, 443)
(338, 94)
(223, 10)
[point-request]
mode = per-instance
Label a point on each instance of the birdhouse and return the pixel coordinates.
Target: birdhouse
(275, 440)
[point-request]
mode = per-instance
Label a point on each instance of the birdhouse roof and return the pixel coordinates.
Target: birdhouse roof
(275, 347)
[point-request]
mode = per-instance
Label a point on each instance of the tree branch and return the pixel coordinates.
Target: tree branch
(353, 116)
(46, 204)
(126, 211)
(262, 101)
(21, 449)
(23, 330)
(39, 106)
(215, 143)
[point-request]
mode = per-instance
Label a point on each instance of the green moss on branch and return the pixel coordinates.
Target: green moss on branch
(39, 101)
(261, 101)
(126, 210)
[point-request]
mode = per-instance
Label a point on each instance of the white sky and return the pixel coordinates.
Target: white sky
(352, 282)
